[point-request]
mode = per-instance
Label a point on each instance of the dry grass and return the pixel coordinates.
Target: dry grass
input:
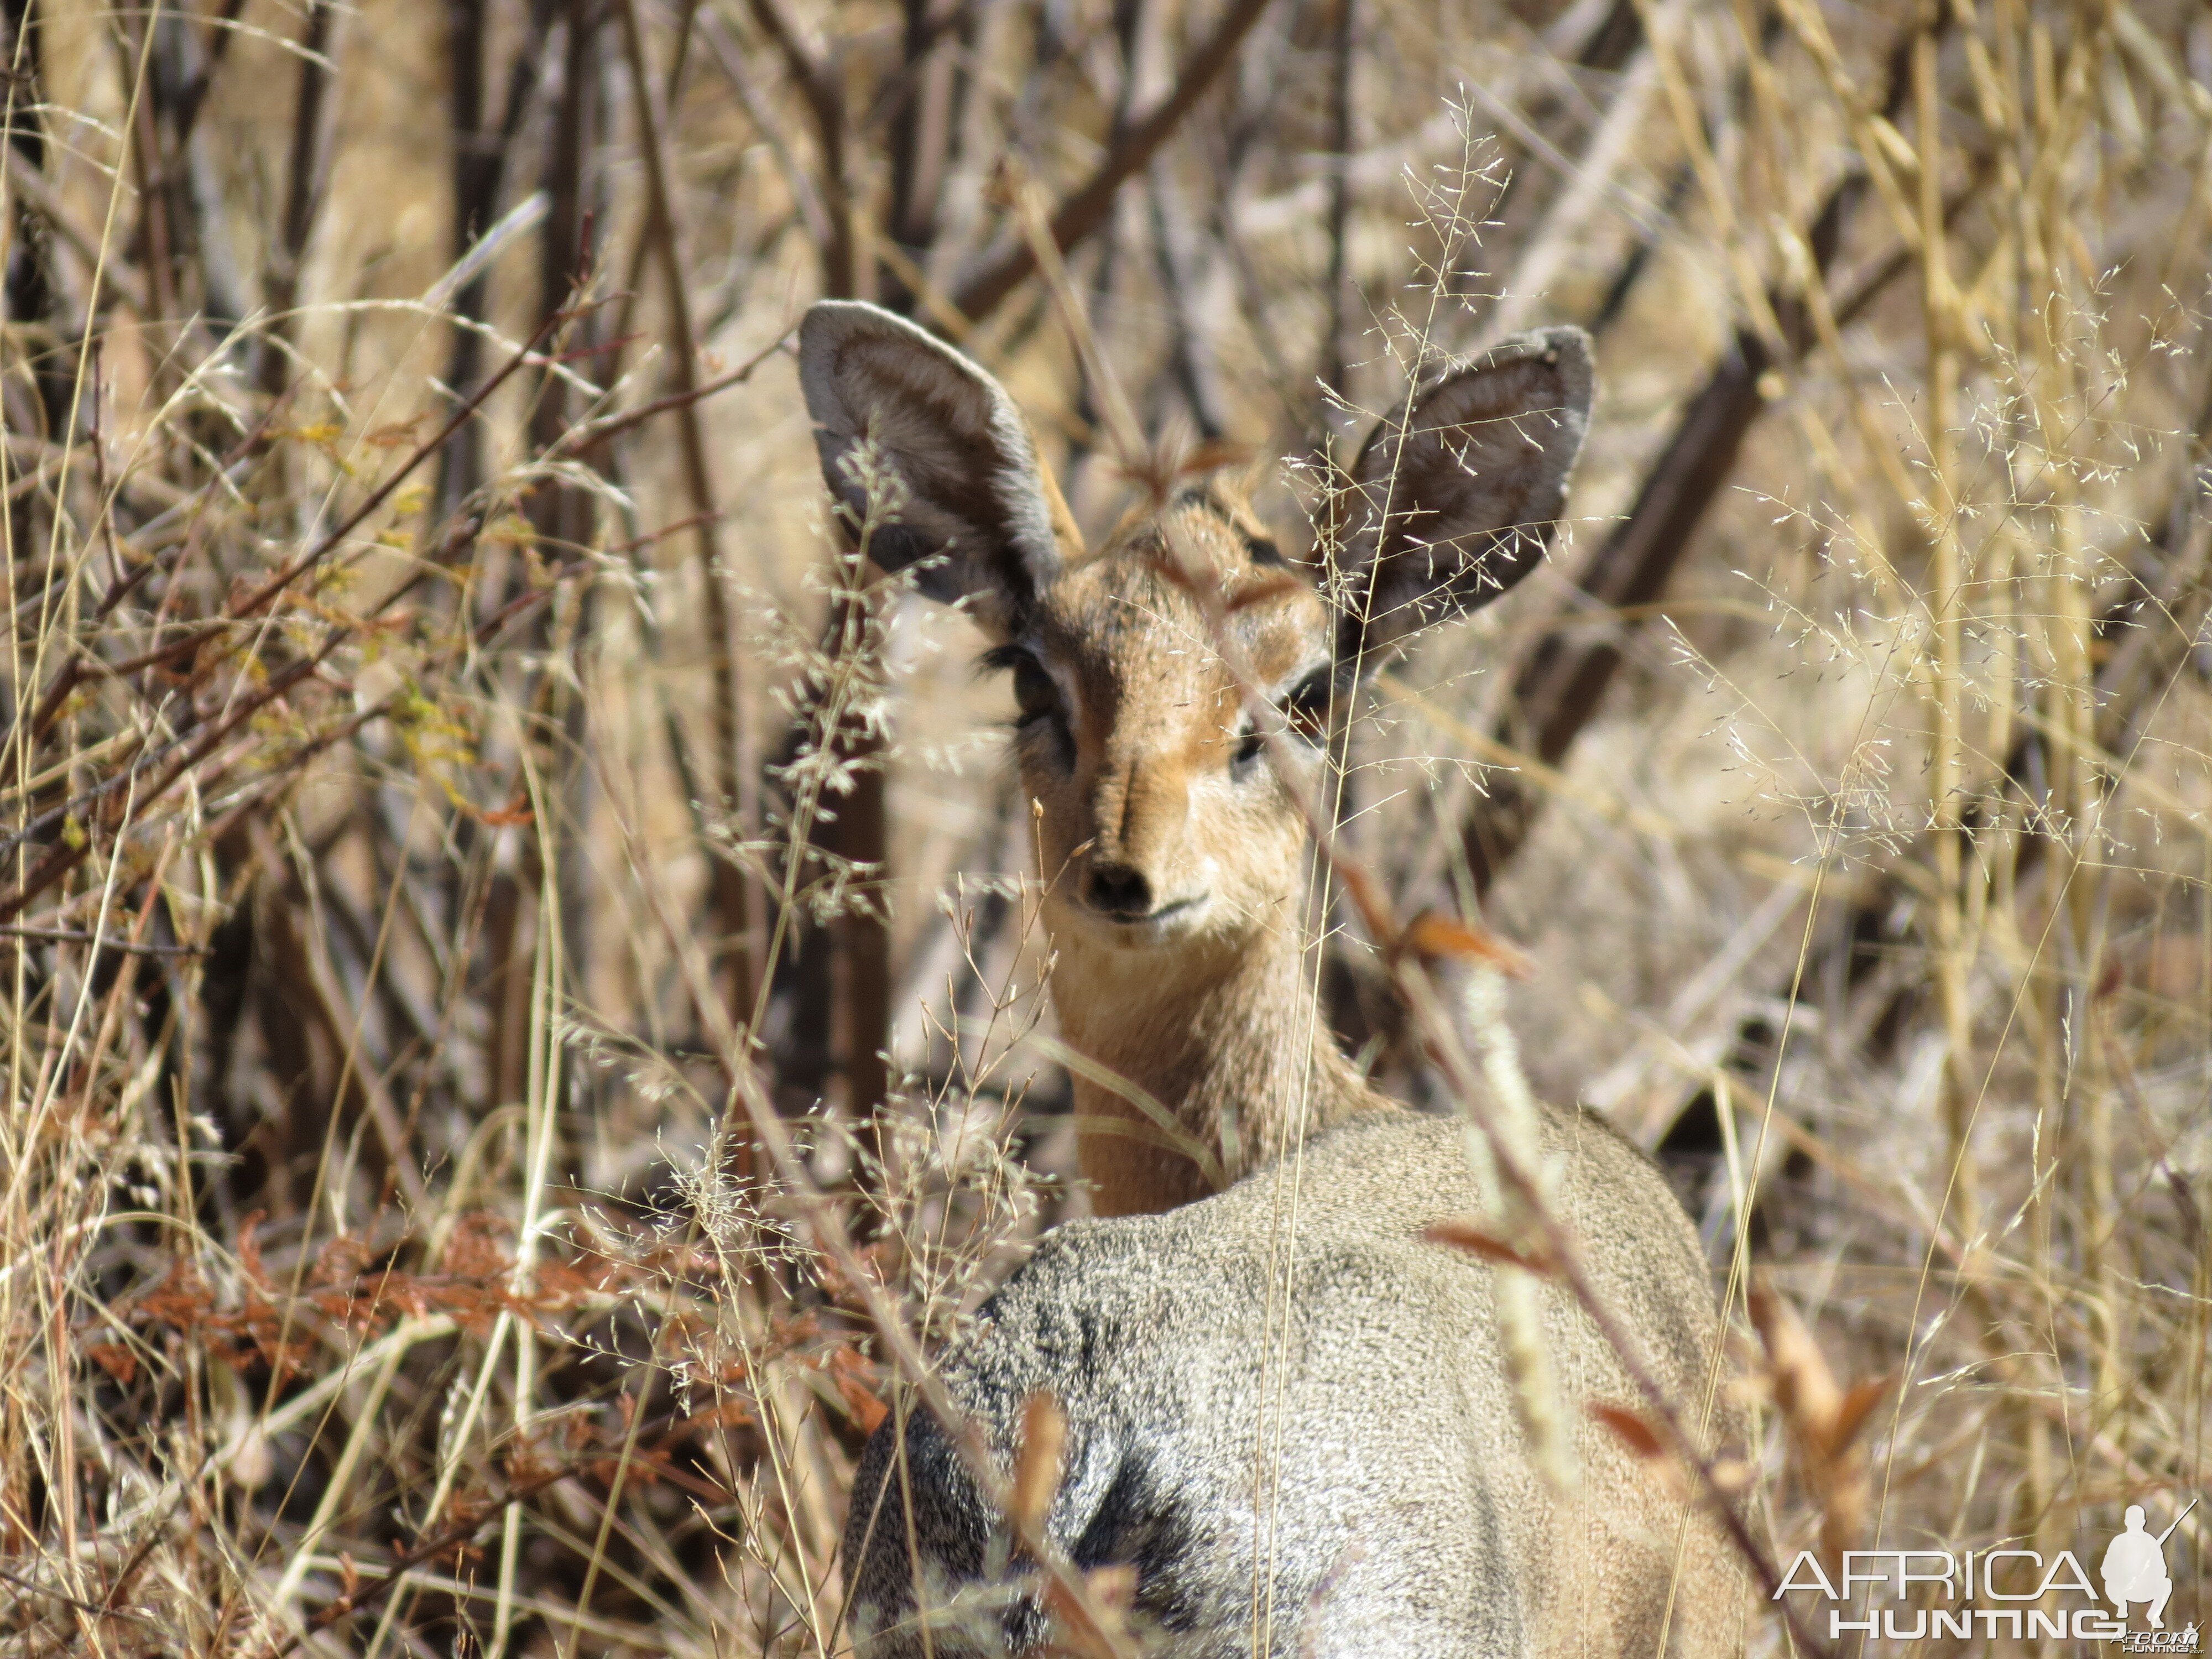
(470, 844)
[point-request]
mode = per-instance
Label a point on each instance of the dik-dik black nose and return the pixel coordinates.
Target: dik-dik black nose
(1116, 890)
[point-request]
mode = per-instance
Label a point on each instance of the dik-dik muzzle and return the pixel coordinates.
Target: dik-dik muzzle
(1164, 820)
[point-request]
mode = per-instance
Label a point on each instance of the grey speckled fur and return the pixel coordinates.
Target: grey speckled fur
(1400, 1516)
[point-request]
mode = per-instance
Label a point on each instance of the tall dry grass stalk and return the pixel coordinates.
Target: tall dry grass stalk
(524, 1021)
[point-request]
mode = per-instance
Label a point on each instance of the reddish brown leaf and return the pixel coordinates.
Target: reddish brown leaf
(181, 1300)
(1434, 937)
(866, 1411)
(1037, 1469)
(395, 433)
(850, 1373)
(473, 1251)
(731, 1413)
(1859, 1401)
(115, 1358)
(516, 813)
(1210, 455)
(249, 1251)
(405, 1292)
(1368, 898)
(558, 1286)
(341, 1261)
(1630, 1428)
(1487, 1246)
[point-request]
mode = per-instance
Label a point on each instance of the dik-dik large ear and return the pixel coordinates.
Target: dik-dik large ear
(973, 502)
(1458, 504)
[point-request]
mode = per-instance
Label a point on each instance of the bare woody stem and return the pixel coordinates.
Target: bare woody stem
(62, 857)
(1084, 211)
(734, 768)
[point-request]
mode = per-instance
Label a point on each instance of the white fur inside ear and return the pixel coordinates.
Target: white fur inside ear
(971, 510)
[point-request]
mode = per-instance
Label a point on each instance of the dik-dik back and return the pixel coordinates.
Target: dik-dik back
(1334, 1471)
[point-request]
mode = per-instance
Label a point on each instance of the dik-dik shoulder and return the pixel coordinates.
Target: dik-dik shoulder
(1284, 1398)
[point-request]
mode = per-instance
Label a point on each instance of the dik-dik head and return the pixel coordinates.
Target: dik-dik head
(1164, 824)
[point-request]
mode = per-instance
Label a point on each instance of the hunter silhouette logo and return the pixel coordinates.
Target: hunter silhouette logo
(2134, 1568)
(2134, 1571)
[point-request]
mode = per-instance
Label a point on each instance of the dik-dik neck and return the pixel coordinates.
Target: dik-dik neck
(1224, 1036)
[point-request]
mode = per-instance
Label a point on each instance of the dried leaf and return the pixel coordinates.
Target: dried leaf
(1487, 1245)
(1825, 1420)
(1434, 937)
(249, 1251)
(1037, 1468)
(1852, 1415)
(1630, 1428)
(516, 813)
(472, 1252)
(394, 433)
(527, 1463)
(1368, 898)
(863, 1405)
(115, 1358)
(1804, 1388)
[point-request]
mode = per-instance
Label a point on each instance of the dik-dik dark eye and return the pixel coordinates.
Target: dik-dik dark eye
(1306, 708)
(1037, 695)
(1304, 714)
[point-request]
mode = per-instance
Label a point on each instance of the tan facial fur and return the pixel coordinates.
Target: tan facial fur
(1174, 858)
(1164, 823)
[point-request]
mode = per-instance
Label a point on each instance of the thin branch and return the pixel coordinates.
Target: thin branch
(734, 764)
(1086, 209)
(108, 943)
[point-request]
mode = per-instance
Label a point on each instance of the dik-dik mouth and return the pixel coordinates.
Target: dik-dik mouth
(1161, 925)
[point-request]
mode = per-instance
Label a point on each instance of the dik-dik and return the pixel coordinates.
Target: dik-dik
(1286, 1411)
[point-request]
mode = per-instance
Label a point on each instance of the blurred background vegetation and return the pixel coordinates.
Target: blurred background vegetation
(453, 783)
